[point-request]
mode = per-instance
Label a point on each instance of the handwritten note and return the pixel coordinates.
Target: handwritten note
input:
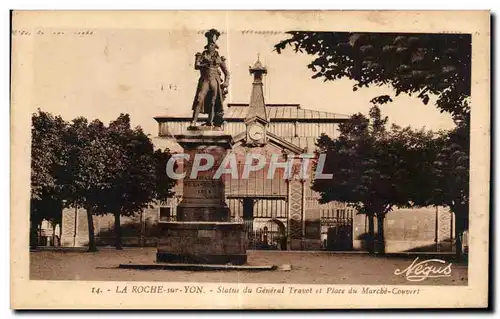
(40, 32)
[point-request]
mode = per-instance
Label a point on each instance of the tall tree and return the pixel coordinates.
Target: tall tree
(102, 169)
(90, 169)
(373, 168)
(135, 184)
(451, 187)
(119, 199)
(47, 162)
(421, 65)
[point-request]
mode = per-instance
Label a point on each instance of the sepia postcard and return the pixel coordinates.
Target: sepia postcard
(250, 159)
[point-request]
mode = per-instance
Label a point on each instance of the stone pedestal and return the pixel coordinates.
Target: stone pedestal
(203, 232)
(202, 243)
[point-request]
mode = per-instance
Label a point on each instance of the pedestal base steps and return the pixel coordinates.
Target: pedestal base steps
(202, 243)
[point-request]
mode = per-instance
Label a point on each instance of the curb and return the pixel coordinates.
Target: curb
(196, 267)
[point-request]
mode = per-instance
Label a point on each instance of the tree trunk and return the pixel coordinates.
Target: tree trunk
(118, 232)
(142, 241)
(34, 233)
(380, 235)
(458, 241)
(461, 224)
(371, 234)
(90, 222)
(53, 234)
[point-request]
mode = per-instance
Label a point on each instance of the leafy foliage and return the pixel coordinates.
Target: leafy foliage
(416, 64)
(90, 169)
(451, 167)
(421, 65)
(47, 151)
(102, 169)
(375, 168)
(137, 179)
(132, 187)
(47, 161)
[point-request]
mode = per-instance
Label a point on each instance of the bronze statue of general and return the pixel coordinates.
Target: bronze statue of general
(211, 89)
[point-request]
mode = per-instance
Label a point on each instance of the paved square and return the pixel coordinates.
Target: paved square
(307, 268)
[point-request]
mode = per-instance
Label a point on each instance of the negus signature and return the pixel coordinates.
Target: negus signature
(421, 270)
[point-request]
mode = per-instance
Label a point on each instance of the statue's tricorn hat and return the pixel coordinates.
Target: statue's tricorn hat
(212, 35)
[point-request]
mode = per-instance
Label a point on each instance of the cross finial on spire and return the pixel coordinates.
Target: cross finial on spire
(258, 69)
(257, 106)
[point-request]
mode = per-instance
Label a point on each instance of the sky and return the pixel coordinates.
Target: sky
(149, 72)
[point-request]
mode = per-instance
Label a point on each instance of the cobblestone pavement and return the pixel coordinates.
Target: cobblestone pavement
(307, 268)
